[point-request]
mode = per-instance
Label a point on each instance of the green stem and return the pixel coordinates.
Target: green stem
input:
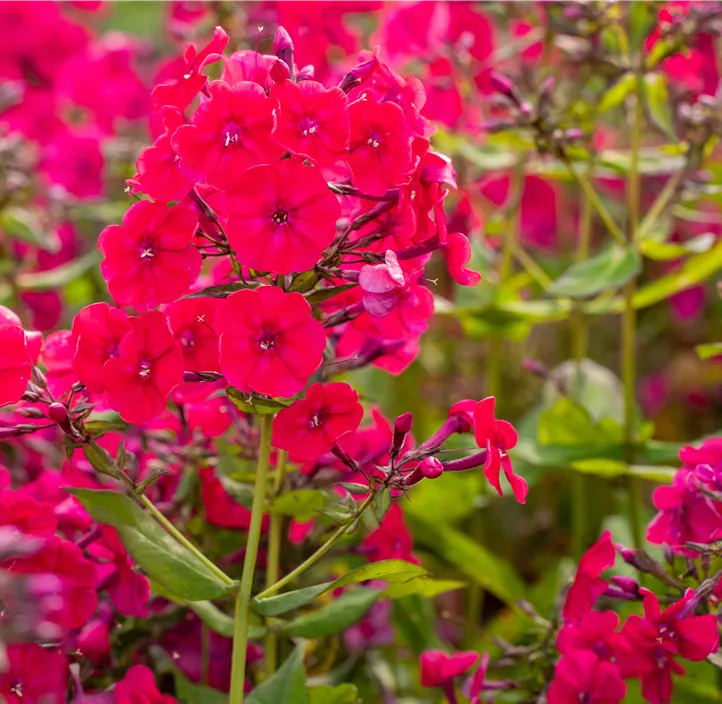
(243, 599)
(335, 537)
(183, 540)
(275, 533)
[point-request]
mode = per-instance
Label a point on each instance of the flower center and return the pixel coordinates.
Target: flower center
(17, 688)
(280, 216)
(315, 421)
(144, 370)
(231, 135)
(374, 141)
(146, 250)
(186, 339)
(308, 127)
(268, 341)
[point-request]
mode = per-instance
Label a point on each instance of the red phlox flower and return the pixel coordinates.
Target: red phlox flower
(33, 339)
(588, 586)
(128, 590)
(97, 331)
(57, 356)
(191, 320)
(438, 668)
(430, 186)
(498, 437)
(313, 120)
(148, 367)
(220, 507)
(34, 674)
(312, 425)
(269, 341)
(229, 132)
(212, 416)
(15, 367)
(26, 514)
(444, 103)
(149, 259)
(379, 145)
(94, 640)
(583, 677)
(382, 285)
(138, 687)
(74, 162)
(282, 216)
(709, 452)
(248, 65)
(180, 92)
(159, 173)
(593, 631)
(457, 252)
(391, 540)
(76, 580)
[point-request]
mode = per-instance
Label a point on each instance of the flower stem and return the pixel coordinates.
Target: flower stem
(275, 534)
(335, 537)
(243, 599)
(153, 510)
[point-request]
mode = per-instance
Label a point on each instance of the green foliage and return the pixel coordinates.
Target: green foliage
(287, 685)
(254, 403)
(341, 694)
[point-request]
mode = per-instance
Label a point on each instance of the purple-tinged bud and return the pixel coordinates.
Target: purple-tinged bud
(342, 455)
(502, 84)
(31, 397)
(628, 555)
(307, 73)
(669, 556)
(546, 87)
(282, 41)
(77, 387)
(536, 368)
(9, 434)
(38, 378)
(24, 428)
(573, 134)
(358, 74)
(31, 412)
(626, 584)
(431, 468)
(402, 427)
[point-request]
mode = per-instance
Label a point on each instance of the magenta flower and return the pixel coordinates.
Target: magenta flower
(391, 540)
(594, 631)
(583, 677)
(312, 425)
(439, 669)
(313, 120)
(25, 514)
(588, 586)
(229, 132)
(269, 341)
(15, 367)
(497, 436)
(221, 509)
(282, 216)
(383, 285)
(457, 252)
(148, 367)
(138, 686)
(191, 320)
(150, 260)
(97, 332)
(35, 674)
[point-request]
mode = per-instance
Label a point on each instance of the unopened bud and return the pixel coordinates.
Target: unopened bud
(39, 378)
(546, 88)
(77, 387)
(31, 397)
(536, 368)
(282, 43)
(402, 427)
(502, 84)
(626, 584)
(431, 468)
(58, 413)
(279, 71)
(30, 412)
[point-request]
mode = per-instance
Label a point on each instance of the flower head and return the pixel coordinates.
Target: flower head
(438, 668)
(583, 677)
(15, 367)
(34, 674)
(138, 686)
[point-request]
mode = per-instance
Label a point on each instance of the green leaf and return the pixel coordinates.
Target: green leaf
(657, 99)
(490, 571)
(392, 571)
(101, 460)
(222, 290)
(424, 586)
(710, 350)
(342, 694)
(301, 504)
(162, 558)
(253, 403)
(188, 693)
(305, 281)
(355, 488)
(616, 94)
(99, 424)
(241, 493)
(286, 686)
(381, 503)
(415, 619)
(60, 276)
(323, 294)
(667, 251)
(24, 225)
(603, 467)
(609, 269)
(563, 455)
(565, 423)
(336, 616)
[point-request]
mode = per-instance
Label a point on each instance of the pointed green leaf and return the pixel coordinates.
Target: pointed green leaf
(424, 586)
(21, 224)
(341, 613)
(609, 269)
(222, 290)
(286, 686)
(342, 694)
(667, 251)
(381, 504)
(657, 99)
(60, 276)
(304, 281)
(323, 294)
(301, 504)
(253, 403)
(616, 94)
(161, 557)
(188, 693)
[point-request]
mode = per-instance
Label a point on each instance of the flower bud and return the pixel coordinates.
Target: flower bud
(431, 468)
(58, 413)
(279, 71)
(626, 584)
(502, 84)
(31, 412)
(402, 427)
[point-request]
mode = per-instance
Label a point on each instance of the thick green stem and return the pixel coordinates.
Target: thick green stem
(275, 533)
(183, 540)
(243, 598)
(310, 561)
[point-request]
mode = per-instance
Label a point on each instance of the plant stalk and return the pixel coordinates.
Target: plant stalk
(243, 598)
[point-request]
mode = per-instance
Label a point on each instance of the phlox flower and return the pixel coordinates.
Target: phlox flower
(138, 686)
(438, 668)
(583, 677)
(15, 367)
(35, 674)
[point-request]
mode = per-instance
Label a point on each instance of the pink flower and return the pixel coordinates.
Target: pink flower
(57, 356)
(150, 260)
(128, 590)
(138, 687)
(391, 540)
(94, 641)
(228, 133)
(457, 252)
(35, 674)
(313, 120)
(74, 162)
(593, 631)
(269, 341)
(15, 367)
(97, 332)
(383, 285)
(282, 216)
(497, 436)
(312, 425)
(583, 677)
(438, 668)
(26, 514)
(148, 367)
(588, 586)
(379, 145)
(191, 320)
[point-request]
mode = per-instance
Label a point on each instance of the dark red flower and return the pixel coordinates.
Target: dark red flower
(588, 586)
(497, 436)
(312, 425)
(148, 367)
(15, 367)
(269, 341)
(34, 674)
(97, 332)
(438, 668)
(229, 132)
(313, 120)
(138, 687)
(379, 145)
(583, 677)
(150, 260)
(282, 216)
